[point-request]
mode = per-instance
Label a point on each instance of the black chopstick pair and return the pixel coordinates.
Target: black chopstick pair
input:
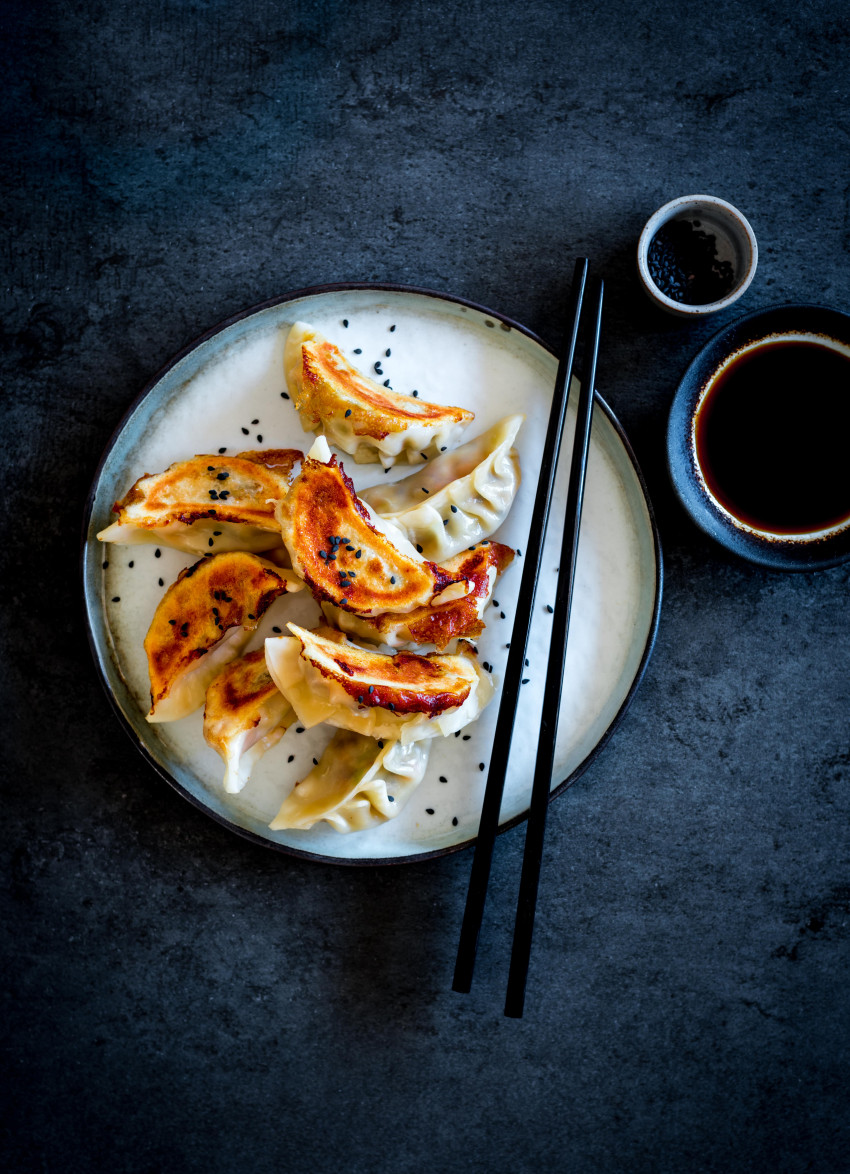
(489, 824)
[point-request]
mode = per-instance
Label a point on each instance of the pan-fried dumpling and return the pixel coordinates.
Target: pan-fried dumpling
(244, 716)
(207, 503)
(203, 621)
(435, 625)
(358, 784)
(358, 415)
(457, 499)
(349, 557)
(326, 678)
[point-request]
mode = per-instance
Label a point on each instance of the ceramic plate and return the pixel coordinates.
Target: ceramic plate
(226, 391)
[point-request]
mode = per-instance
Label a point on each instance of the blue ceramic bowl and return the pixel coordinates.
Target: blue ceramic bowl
(785, 552)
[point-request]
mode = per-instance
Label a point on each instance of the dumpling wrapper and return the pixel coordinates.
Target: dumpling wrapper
(207, 503)
(407, 697)
(358, 415)
(349, 557)
(203, 622)
(469, 494)
(245, 714)
(358, 784)
(435, 625)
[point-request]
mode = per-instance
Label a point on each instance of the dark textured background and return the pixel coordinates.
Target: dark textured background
(175, 999)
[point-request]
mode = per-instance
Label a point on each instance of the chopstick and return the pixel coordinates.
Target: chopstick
(536, 827)
(479, 876)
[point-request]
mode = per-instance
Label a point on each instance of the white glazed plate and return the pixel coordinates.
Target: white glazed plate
(451, 352)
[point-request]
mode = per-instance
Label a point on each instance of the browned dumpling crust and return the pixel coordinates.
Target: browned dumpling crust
(237, 491)
(219, 593)
(344, 558)
(446, 622)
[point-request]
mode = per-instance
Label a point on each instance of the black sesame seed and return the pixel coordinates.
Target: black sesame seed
(392, 578)
(223, 449)
(386, 382)
(221, 476)
(526, 663)
(371, 688)
(116, 598)
(454, 821)
(358, 350)
(244, 431)
(299, 729)
(360, 699)
(418, 547)
(345, 322)
(259, 438)
(480, 765)
(443, 449)
(416, 395)
(291, 758)
(380, 743)
(130, 563)
(424, 456)
(212, 542)
(457, 733)
(283, 395)
(213, 494)
(157, 553)
(550, 609)
(161, 583)
(388, 352)
(519, 554)
(276, 630)
(443, 779)
(424, 490)
(172, 622)
(392, 328)
(323, 554)
(255, 421)
(466, 737)
(495, 603)
(210, 468)
(502, 614)
(392, 706)
(379, 369)
(349, 547)
(216, 533)
(348, 413)
(445, 521)
(429, 810)
(391, 798)
(358, 553)
(106, 564)
(525, 680)
(454, 509)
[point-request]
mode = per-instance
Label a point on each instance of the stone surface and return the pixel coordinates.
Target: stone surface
(175, 999)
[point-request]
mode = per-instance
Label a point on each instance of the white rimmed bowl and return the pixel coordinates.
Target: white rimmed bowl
(736, 243)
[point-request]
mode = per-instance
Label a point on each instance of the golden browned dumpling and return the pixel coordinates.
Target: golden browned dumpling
(349, 557)
(326, 678)
(245, 714)
(358, 415)
(207, 503)
(441, 624)
(203, 621)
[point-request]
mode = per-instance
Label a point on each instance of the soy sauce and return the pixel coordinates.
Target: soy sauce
(773, 437)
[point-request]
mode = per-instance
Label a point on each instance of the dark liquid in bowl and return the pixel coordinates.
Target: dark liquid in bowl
(773, 437)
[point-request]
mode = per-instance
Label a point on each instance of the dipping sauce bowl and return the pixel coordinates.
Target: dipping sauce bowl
(758, 439)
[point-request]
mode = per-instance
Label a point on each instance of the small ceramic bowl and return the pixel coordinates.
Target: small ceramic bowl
(809, 431)
(735, 248)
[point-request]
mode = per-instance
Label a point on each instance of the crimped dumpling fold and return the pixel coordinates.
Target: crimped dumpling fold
(203, 621)
(348, 556)
(435, 625)
(208, 503)
(359, 783)
(459, 498)
(358, 415)
(245, 714)
(326, 678)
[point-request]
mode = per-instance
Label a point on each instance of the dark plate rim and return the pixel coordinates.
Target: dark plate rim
(245, 833)
(773, 554)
